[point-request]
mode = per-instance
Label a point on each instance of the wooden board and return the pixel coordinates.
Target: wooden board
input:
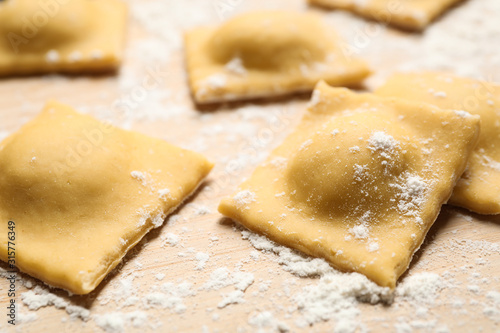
(462, 248)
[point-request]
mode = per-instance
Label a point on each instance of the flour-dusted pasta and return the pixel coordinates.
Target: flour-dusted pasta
(77, 36)
(82, 193)
(360, 181)
(264, 54)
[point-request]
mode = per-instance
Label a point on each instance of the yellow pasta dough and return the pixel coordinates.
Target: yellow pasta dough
(77, 36)
(479, 188)
(359, 182)
(408, 14)
(82, 193)
(264, 54)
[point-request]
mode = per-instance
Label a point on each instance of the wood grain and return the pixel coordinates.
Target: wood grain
(236, 137)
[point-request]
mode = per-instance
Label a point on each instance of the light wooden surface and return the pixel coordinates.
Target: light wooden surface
(460, 247)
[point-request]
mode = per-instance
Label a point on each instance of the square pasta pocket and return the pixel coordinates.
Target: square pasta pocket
(82, 193)
(77, 36)
(266, 54)
(357, 182)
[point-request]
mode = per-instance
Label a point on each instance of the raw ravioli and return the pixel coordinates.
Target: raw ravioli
(77, 36)
(264, 54)
(360, 181)
(82, 193)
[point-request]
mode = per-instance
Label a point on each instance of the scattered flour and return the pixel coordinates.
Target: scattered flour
(462, 113)
(236, 66)
(216, 81)
(354, 149)
(382, 141)
(141, 176)
(336, 297)
(22, 317)
(265, 321)
(157, 217)
(411, 194)
(170, 239)
(422, 288)
(373, 246)
(292, 261)
(306, 144)
(494, 296)
(169, 296)
(116, 322)
(38, 297)
(199, 209)
(243, 280)
(244, 197)
(160, 276)
(202, 259)
(219, 278)
(234, 297)
(164, 194)
(279, 162)
(360, 231)
(223, 277)
(255, 255)
(124, 293)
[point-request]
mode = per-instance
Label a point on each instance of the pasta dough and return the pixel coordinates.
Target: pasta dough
(79, 36)
(408, 14)
(82, 193)
(264, 54)
(357, 182)
(479, 188)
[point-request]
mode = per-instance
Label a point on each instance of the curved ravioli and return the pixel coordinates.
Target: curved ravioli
(265, 54)
(337, 168)
(359, 182)
(77, 36)
(82, 193)
(279, 43)
(478, 190)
